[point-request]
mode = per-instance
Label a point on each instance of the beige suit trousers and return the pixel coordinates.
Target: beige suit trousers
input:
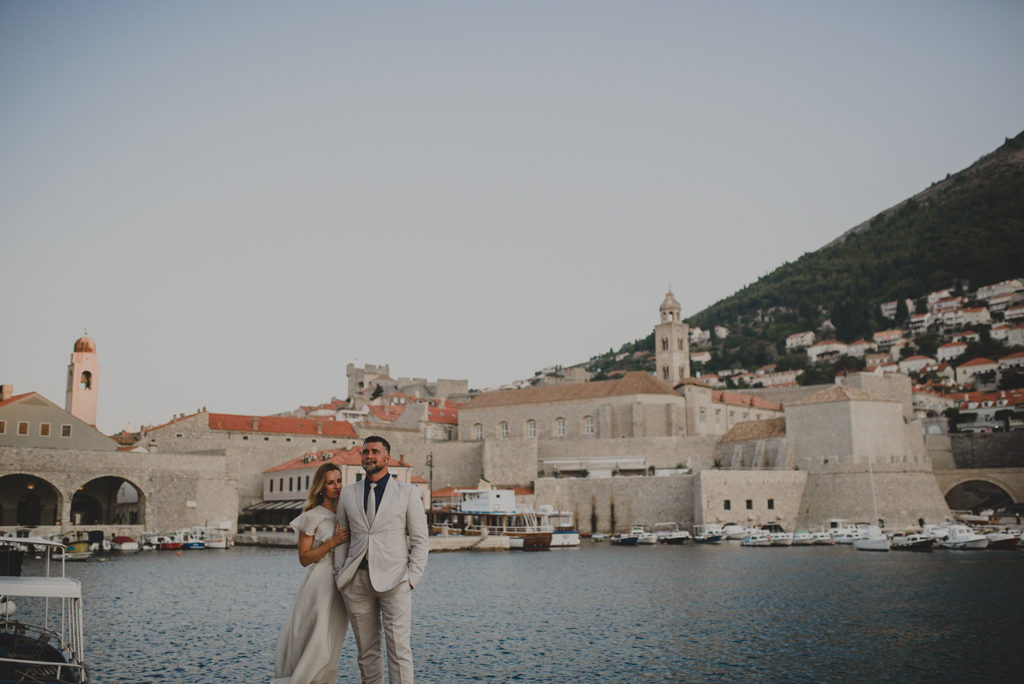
(366, 609)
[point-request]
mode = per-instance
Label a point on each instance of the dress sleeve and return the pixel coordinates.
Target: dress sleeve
(306, 522)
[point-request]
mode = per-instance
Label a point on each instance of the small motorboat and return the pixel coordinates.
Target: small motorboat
(756, 538)
(711, 533)
(1002, 540)
(873, 540)
(671, 533)
(962, 537)
(802, 538)
(912, 541)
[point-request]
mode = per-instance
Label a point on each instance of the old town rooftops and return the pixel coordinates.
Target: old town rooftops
(756, 429)
(340, 457)
(287, 425)
(636, 382)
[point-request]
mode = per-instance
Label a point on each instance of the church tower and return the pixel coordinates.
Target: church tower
(83, 377)
(672, 343)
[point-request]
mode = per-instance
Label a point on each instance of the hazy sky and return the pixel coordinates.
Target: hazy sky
(236, 199)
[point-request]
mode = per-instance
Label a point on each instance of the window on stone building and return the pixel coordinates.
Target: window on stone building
(22, 428)
(703, 415)
(664, 372)
(718, 416)
(664, 344)
(65, 430)
(682, 372)
(680, 341)
(307, 482)
(359, 477)
(245, 438)
(503, 429)
(287, 439)
(531, 429)
(560, 427)
(478, 431)
(727, 505)
(44, 429)
(280, 484)
(771, 504)
(588, 425)
(3, 427)
(750, 504)
(178, 436)
(271, 484)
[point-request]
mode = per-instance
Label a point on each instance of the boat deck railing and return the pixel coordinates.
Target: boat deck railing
(508, 529)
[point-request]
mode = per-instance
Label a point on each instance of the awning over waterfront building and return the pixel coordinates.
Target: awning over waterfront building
(290, 505)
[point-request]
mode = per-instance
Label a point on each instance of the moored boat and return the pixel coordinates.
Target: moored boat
(962, 537)
(563, 528)
(710, 533)
(873, 540)
(642, 535)
(912, 541)
(671, 533)
(756, 538)
(74, 545)
(732, 530)
(1001, 540)
(491, 511)
(802, 538)
(123, 543)
(50, 649)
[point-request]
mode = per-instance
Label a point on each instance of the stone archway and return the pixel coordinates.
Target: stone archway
(27, 500)
(108, 500)
(977, 495)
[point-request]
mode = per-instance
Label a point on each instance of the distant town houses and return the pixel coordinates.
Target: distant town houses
(825, 350)
(967, 372)
(860, 347)
(799, 340)
(887, 338)
(915, 364)
(950, 350)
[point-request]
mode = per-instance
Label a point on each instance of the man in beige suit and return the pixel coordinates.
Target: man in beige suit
(386, 556)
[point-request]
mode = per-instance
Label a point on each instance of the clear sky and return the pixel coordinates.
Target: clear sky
(236, 199)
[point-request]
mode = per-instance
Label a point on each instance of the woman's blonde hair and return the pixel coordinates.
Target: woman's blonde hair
(316, 489)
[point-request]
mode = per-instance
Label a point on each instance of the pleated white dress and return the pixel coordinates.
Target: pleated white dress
(309, 644)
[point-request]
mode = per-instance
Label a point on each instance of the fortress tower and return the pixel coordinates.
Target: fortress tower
(83, 381)
(672, 343)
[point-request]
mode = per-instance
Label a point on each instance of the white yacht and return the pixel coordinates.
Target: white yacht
(963, 537)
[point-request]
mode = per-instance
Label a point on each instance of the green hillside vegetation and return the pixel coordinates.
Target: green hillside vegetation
(963, 232)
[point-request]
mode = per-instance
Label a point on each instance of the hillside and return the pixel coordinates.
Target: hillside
(964, 231)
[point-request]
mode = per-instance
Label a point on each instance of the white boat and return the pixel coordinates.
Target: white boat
(491, 511)
(802, 538)
(598, 537)
(1001, 540)
(214, 537)
(822, 537)
(563, 528)
(912, 541)
(734, 531)
(50, 650)
(125, 544)
(962, 537)
(642, 535)
(756, 538)
(873, 540)
(710, 533)
(671, 533)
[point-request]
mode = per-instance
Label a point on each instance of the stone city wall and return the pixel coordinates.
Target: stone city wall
(613, 504)
(902, 498)
(695, 453)
(750, 497)
(988, 450)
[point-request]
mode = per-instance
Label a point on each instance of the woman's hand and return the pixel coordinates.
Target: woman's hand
(340, 535)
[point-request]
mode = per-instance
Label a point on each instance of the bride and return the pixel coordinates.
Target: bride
(309, 644)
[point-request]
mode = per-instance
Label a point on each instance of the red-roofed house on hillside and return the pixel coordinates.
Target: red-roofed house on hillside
(1012, 361)
(966, 372)
(950, 350)
(286, 485)
(915, 364)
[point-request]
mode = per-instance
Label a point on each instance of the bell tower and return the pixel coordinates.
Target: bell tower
(83, 381)
(671, 343)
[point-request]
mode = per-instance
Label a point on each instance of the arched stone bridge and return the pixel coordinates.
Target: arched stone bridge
(1010, 480)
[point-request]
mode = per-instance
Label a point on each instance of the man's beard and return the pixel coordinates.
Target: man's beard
(374, 468)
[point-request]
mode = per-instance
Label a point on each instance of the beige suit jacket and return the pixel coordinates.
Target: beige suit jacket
(397, 544)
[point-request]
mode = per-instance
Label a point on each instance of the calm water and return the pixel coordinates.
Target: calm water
(593, 614)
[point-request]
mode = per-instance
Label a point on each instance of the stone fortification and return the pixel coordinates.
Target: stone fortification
(903, 498)
(695, 453)
(613, 504)
(749, 497)
(991, 450)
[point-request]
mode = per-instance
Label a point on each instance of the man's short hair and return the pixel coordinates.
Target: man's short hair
(381, 440)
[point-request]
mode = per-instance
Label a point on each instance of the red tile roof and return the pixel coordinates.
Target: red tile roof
(386, 413)
(980, 361)
(16, 397)
(313, 459)
(286, 425)
(446, 415)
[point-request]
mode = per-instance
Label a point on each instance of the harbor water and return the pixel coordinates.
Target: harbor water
(597, 613)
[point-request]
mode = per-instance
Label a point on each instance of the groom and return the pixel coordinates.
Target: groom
(382, 566)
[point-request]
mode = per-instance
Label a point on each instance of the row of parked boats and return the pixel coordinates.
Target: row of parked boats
(79, 545)
(861, 536)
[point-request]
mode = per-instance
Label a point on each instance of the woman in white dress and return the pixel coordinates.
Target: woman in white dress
(309, 644)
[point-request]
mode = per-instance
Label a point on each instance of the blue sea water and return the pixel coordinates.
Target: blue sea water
(694, 613)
